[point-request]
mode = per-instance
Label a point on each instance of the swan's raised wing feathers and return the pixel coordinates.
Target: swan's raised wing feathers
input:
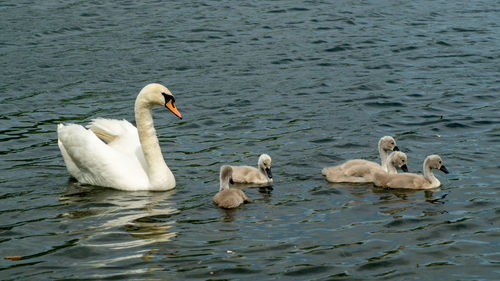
(120, 135)
(112, 130)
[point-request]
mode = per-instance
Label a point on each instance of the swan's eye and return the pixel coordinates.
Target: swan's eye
(168, 97)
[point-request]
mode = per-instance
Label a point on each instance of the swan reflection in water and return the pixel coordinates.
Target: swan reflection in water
(104, 213)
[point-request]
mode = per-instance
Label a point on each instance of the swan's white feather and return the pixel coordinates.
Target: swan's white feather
(120, 135)
(109, 129)
(92, 161)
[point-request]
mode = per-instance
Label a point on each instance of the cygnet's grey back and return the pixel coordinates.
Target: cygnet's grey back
(228, 197)
(260, 175)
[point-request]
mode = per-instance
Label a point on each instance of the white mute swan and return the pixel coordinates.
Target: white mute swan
(113, 153)
(260, 175)
(384, 144)
(413, 181)
(363, 173)
(228, 197)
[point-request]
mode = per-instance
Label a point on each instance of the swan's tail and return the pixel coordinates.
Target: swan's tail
(332, 173)
(330, 170)
(323, 171)
(70, 164)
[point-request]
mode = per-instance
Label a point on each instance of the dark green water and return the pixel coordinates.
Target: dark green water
(311, 83)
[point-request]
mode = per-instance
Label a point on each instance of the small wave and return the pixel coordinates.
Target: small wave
(305, 270)
(384, 104)
(339, 48)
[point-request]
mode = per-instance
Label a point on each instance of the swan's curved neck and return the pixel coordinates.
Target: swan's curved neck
(383, 155)
(262, 171)
(389, 166)
(157, 171)
(429, 175)
(224, 184)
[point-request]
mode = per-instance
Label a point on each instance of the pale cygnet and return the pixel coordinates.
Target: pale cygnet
(260, 175)
(385, 144)
(228, 197)
(396, 159)
(413, 181)
(363, 173)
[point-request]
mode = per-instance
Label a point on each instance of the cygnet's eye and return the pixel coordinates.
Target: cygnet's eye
(403, 161)
(440, 162)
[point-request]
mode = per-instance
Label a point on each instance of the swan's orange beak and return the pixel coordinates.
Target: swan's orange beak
(170, 105)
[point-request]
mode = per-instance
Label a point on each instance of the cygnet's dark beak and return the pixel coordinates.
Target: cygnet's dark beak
(269, 174)
(443, 168)
(396, 148)
(231, 181)
(404, 168)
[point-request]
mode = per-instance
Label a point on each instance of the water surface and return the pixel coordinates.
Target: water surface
(310, 83)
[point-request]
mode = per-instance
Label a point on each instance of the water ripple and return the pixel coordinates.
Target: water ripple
(311, 84)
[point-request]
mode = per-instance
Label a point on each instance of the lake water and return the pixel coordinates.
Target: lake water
(312, 83)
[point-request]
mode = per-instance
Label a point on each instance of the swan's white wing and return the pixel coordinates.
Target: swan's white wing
(91, 161)
(110, 129)
(120, 135)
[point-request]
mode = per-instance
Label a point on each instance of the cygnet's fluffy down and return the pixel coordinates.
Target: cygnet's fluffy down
(413, 181)
(228, 197)
(260, 175)
(363, 173)
(350, 168)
